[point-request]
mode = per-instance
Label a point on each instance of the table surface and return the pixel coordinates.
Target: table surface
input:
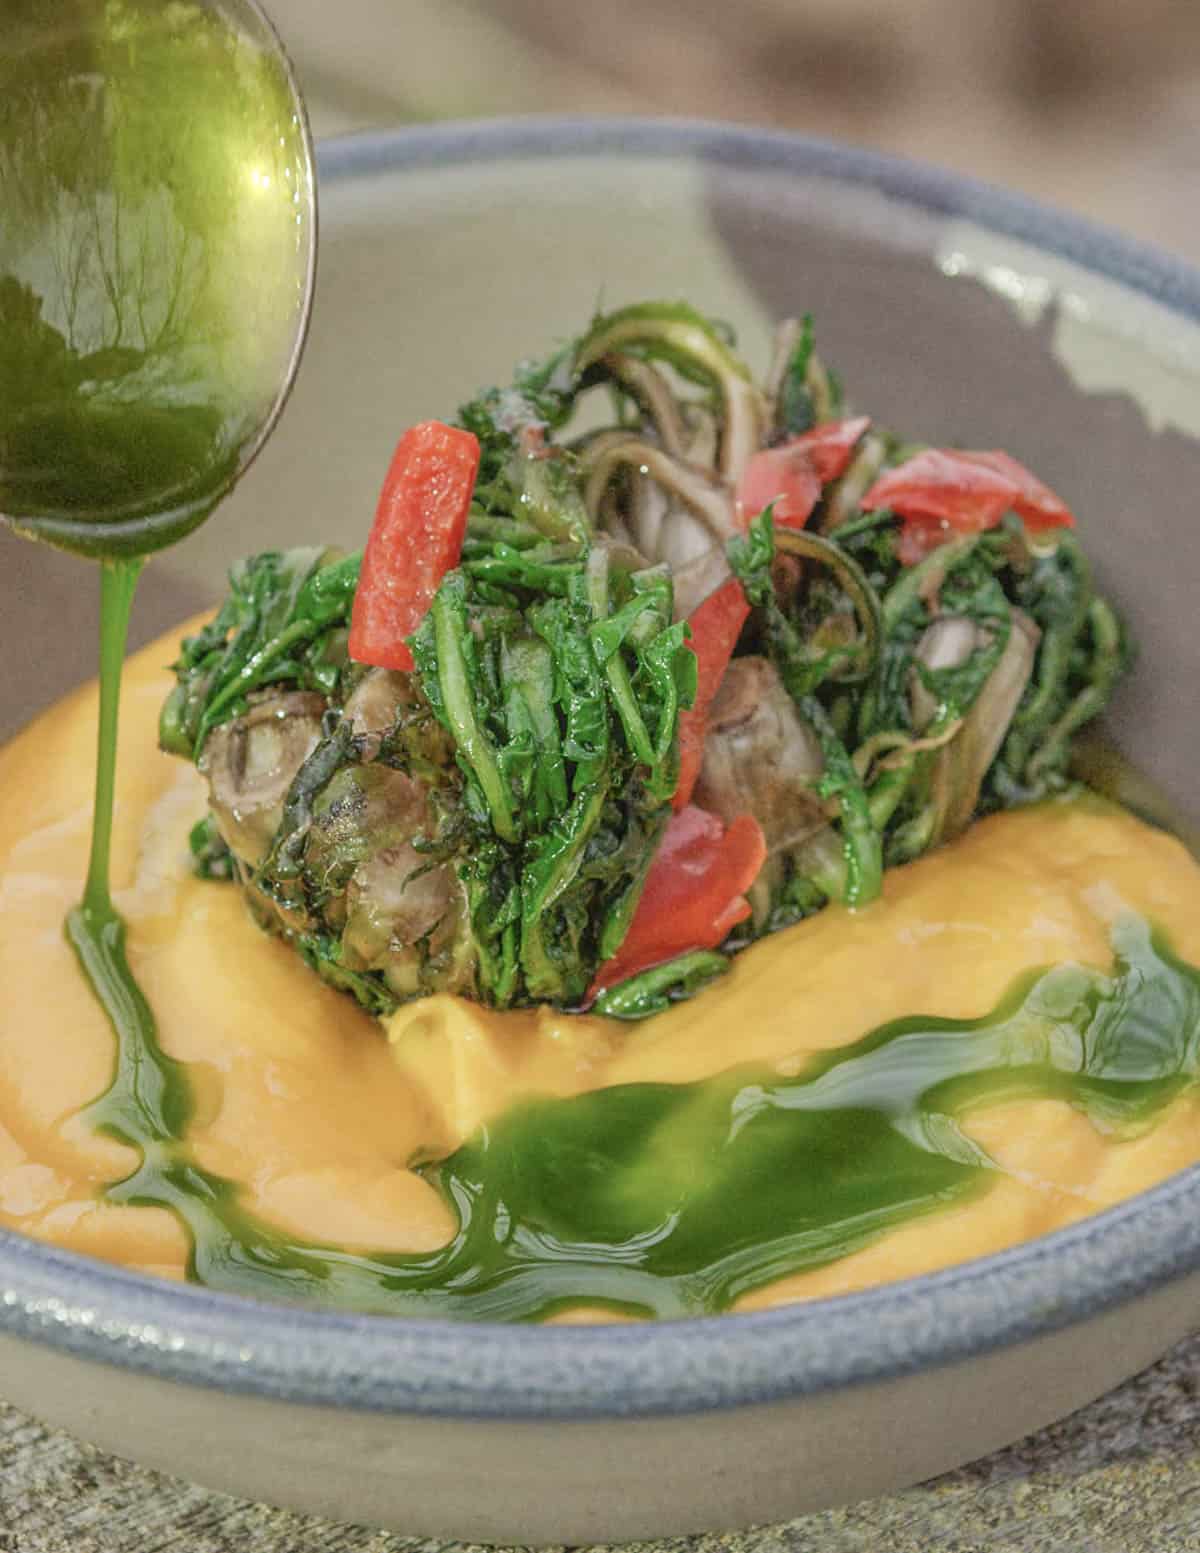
(1120, 1476)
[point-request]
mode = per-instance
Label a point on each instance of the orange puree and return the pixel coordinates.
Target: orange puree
(319, 1113)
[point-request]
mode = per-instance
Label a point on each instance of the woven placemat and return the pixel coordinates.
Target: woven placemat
(1120, 1476)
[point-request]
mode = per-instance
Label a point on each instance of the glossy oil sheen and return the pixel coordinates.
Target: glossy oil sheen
(154, 261)
(676, 1199)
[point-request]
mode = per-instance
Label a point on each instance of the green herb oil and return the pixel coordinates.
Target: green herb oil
(154, 267)
(675, 1199)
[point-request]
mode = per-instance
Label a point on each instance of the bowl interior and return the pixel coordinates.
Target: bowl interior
(952, 313)
(444, 260)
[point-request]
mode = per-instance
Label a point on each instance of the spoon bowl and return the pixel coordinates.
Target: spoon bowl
(157, 261)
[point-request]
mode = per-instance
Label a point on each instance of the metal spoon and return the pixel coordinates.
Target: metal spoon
(157, 247)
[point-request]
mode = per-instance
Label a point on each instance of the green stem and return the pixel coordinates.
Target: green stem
(1107, 663)
(650, 992)
(854, 584)
(474, 745)
(921, 581)
(862, 844)
(614, 665)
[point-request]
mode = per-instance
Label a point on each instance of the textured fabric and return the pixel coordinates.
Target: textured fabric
(1121, 1476)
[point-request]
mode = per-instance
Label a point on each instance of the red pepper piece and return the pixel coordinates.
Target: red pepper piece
(941, 493)
(694, 893)
(792, 474)
(416, 539)
(716, 623)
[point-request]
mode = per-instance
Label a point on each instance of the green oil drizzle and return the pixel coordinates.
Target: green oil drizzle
(673, 1200)
(155, 258)
(95, 928)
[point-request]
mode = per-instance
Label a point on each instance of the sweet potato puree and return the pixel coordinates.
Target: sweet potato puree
(319, 1114)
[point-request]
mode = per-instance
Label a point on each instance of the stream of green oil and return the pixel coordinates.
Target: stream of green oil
(155, 257)
(673, 1200)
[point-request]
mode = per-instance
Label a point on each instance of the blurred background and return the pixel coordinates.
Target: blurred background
(1091, 104)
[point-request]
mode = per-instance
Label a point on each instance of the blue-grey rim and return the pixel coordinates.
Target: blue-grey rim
(478, 1370)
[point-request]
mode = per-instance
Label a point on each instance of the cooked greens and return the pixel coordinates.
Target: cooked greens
(483, 826)
(284, 622)
(486, 823)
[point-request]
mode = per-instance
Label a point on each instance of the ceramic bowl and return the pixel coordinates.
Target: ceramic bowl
(446, 254)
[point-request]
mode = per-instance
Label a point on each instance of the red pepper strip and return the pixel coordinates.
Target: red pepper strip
(416, 539)
(1034, 501)
(940, 493)
(792, 474)
(694, 893)
(716, 623)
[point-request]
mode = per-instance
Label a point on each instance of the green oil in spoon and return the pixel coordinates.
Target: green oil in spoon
(156, 263)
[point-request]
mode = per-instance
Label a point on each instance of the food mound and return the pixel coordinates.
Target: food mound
(598, 708)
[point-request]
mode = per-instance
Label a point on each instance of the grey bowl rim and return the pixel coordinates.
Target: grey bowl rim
(441, 1368)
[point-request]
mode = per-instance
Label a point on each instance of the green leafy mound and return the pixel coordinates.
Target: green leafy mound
(540, 730)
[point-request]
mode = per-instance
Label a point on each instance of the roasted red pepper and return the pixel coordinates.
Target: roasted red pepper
(416, 539)
(941, 493)
(694, 893)
(716, 623)
(793, 474)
